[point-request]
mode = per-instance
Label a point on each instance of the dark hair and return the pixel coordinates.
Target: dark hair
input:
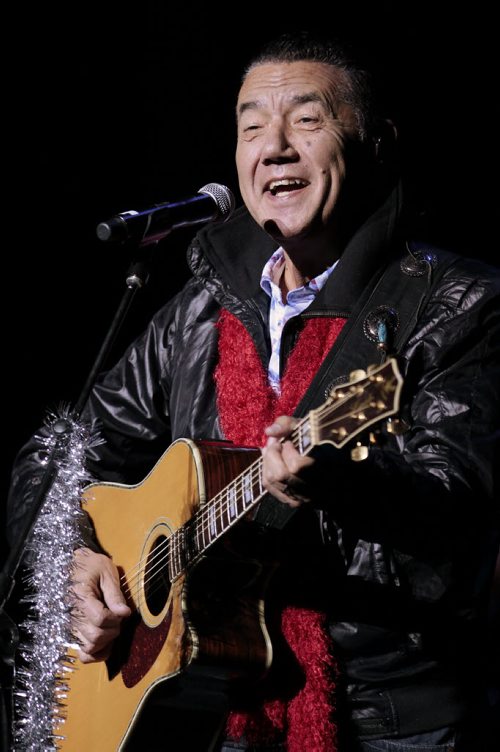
(357, 86)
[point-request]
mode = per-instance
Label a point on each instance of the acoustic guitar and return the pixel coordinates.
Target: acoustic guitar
(198, 621)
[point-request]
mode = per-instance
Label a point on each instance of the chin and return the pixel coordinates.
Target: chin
(281, 230)
(277, 230)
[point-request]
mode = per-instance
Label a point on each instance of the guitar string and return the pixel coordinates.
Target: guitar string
(206, 517)
(210, 516)
(137, 570)
(203, 519)
(218, 505)
(171, 549)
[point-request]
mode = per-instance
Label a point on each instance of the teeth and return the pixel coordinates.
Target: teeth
(275, 184)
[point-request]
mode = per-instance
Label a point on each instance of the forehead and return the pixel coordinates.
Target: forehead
(288, 81)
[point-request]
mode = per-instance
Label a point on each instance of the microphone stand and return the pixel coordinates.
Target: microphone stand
(137, 277)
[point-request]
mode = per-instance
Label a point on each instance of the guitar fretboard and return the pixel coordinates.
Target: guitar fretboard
(349, 410)
(213, 520)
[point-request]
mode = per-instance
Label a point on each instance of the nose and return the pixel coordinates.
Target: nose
(277, 147)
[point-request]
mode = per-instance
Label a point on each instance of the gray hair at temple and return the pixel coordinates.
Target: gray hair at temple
(357, 87)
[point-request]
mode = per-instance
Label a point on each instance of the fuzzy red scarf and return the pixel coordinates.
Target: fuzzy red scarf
(246, 405)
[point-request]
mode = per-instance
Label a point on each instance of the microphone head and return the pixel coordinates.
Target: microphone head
(223, 197)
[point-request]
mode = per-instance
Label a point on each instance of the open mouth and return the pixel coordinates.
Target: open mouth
(285, 185)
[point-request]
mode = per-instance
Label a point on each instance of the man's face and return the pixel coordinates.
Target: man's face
(292, 137)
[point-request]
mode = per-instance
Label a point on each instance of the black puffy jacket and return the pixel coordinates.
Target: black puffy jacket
(408, 535)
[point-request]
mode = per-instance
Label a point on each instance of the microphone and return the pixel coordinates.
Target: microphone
(213, 202)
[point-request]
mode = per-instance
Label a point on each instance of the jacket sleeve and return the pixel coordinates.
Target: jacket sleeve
(128, 410)
(434, 482)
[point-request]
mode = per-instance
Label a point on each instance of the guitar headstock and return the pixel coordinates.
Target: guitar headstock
(367, 398)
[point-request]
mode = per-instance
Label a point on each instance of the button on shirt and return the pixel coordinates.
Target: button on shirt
(296, 302)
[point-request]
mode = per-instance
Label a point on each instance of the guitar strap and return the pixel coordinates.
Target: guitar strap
(386, 315)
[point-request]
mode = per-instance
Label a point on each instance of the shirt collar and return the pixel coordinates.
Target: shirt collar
(272, 272)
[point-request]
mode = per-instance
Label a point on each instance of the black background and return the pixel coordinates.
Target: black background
(115, 107)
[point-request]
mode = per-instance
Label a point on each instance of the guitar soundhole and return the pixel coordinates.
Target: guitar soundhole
(156, 581)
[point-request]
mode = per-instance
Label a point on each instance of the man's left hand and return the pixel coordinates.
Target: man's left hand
(283, 464)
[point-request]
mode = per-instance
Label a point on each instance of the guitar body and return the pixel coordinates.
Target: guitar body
(192, 635)
(194, 579)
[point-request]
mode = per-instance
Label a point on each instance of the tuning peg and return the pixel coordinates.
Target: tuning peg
(341, 432)
(396, 426)
(359, 452)
(357, 375)
(373, 375)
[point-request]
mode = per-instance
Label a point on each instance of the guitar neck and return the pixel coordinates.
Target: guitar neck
(227, 507)
(348, 411)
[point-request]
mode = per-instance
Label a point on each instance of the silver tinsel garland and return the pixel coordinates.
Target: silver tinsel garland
(43, 663)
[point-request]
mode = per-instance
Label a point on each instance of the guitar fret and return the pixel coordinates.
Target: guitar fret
(212, 523)
(220, 524)
(260, 488)
(204, 530)
(305, 440)
(180, 544)
(232, 505)
(173, 554)
(183, 548)
(247, 489)
(198, 534)
(191, 549)
(297, 440)
(197, 524)
(240, 501)
(170, 563)
(227, 517)
(222, 515)
(178, 564)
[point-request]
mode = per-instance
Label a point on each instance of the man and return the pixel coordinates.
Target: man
(315, 277)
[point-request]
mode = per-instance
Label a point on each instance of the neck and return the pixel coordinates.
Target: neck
(305, 261)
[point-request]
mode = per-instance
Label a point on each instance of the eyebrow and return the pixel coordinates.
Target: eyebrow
(297, 99)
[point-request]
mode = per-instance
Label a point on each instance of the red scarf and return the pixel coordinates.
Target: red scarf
(246, 405)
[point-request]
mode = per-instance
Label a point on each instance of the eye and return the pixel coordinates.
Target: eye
(307, 120)
(250, 130)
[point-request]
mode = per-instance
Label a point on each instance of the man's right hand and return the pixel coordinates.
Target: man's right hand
(99, 605)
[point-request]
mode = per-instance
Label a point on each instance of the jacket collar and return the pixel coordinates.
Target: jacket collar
(229, 257)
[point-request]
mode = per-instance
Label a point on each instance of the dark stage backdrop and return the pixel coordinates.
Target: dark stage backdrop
(114, 107)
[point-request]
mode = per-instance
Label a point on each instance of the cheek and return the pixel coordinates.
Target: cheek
(238, 159)
(336, 165)
(244, 160)
(245, 178)
(326, 155)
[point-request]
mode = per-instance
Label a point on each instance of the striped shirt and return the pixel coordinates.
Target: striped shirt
(296, 301)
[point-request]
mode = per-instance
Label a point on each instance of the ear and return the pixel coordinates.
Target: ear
(384, 138)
